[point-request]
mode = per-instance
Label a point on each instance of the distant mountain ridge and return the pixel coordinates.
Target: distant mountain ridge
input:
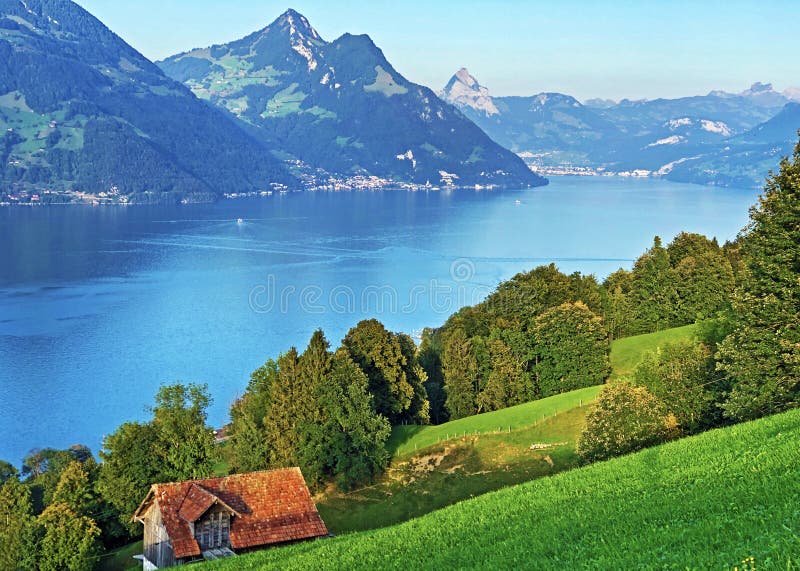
(700, 139)
(341, 114)
(81, 110)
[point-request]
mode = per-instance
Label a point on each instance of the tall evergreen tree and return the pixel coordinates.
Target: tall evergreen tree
(762, 354)
(70, 542)
(419, 411)
(617, 307)
(354, 434)
(430, 359)
(506, 383)
(310, 437)
(653, 290)
(460, 368)
(315, 366)
(280, 423)
(76, 490)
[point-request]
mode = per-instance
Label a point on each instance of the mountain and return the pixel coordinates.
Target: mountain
(340, 112)
(550, 127)
(745, 159)
(82, 111)
(663, 137)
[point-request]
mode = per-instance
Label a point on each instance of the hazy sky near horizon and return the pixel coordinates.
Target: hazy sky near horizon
(585, 48)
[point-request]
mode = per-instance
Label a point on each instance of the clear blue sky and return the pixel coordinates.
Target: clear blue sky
(585, 48)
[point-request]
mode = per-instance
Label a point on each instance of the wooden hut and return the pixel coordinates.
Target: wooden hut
(218, 517)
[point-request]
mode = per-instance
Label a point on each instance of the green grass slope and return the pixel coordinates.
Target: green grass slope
(627, 352)
(456, 470)
(706, 502)
(407, 439)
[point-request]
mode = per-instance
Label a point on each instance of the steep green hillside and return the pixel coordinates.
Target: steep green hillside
(707, 502)
(407, 439)
(436, 466)
(81, 111)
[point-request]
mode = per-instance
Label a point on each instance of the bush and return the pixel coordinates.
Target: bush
(625, 418)
(680, 375)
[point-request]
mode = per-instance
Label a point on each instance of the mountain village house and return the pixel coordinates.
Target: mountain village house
(219, 517)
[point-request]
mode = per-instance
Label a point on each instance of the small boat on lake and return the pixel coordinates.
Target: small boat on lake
(239, 221)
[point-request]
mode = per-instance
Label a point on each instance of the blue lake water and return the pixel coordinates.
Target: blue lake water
(101, 305)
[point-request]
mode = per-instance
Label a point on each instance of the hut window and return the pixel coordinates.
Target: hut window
(213, 531)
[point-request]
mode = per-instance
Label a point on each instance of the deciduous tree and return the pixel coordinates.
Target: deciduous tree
(380, 356)
(680, 375)
(459, 367)
(624, 419)
(572, 349)
(18, 527)
(70, 542)
(186, 444)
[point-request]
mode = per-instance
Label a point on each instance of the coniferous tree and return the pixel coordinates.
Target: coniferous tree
(460, 369)
(76, 490)
(762, 354)
(314, 367)
(280, 423)
(617, 309)
(418, 411)
(653, 290)
(310, 436)
(430, 359)
(506, 383)
(354, 435)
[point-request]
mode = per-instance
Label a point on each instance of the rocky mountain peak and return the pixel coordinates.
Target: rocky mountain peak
(296, 25)
(463, 90)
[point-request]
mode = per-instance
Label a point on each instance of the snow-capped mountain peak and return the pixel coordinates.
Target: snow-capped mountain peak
(463, 90)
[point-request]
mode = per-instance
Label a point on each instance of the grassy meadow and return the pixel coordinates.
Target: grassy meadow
(627, 352)
(712, 501)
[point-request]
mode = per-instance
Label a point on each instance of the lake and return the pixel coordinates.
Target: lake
(101, 305)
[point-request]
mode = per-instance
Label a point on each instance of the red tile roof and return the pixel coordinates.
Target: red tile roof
(195, 503)
(273, 507)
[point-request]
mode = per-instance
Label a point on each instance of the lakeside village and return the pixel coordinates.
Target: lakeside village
(312, 182)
